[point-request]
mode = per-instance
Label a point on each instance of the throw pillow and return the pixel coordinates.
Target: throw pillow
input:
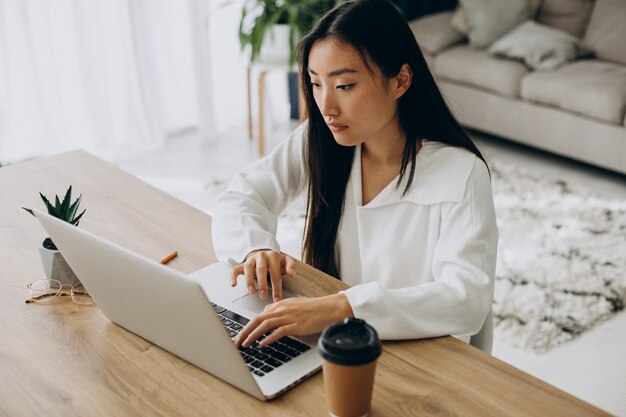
(490, 19)
(459, 21)
(433, 32)
(571, 16)
(606, 33)
(460, 24)
(540, 47)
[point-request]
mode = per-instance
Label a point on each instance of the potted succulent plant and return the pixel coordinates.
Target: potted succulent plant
(54, 265)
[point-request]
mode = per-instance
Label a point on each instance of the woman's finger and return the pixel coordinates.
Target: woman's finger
(277, 334)
(248, 268)
(290, 266)
(261, 275)
(247, 329)
(262, 328)
(276, 277)
(235, 272)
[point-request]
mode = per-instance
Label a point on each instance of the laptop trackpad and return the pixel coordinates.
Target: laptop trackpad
(254, 303)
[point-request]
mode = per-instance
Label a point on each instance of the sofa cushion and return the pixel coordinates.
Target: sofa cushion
(591, 88)
(434, 33)
(572, 16)
(467, 65)
(490, 19)
(460, 24)
(606, 34)
(459, 21)
(541, 47)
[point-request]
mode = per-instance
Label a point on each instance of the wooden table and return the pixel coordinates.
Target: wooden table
(63, 359)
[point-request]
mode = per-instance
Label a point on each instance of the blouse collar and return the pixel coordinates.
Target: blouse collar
(441, 174)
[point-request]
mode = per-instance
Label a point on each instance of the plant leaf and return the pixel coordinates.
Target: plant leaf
(73, 208)
(243, 36)
(28, 210)
(65, 205)
(51, 209)
(256, 37)
(77, 219)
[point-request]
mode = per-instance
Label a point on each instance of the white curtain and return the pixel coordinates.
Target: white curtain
(102, 75)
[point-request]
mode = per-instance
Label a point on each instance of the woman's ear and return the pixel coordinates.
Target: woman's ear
(402, 81)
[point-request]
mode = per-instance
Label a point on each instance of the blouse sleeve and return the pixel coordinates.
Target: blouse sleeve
(246, 214)
(464, 259)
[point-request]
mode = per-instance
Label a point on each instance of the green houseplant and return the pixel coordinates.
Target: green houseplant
(258, 18)
(54, 265)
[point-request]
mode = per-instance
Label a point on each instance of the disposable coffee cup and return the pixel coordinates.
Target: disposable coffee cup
(349, 349)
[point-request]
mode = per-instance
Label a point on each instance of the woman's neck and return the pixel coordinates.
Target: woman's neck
(386, 147)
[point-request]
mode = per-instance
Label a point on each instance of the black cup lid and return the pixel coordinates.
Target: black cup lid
(350, 342)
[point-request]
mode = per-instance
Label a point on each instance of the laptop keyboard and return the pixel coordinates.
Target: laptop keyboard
(260, 360)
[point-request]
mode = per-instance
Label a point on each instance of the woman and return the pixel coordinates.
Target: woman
(399, 202)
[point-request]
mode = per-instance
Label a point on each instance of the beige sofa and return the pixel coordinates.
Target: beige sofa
(577, 110)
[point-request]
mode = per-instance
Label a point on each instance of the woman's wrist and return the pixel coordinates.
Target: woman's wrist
(341, 306)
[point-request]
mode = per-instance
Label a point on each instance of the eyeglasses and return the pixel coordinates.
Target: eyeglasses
(45, 291)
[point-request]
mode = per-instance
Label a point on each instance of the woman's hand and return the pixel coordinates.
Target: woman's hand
(295, 317)
(256, 266)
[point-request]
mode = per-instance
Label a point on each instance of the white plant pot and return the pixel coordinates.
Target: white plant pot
(276, 47)
(56, 267)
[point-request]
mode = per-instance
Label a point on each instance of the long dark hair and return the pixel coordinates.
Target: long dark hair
(380, 34)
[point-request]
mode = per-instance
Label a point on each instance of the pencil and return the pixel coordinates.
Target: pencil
(169, 257)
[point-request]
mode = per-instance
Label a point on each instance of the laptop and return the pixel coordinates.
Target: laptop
(195, 317)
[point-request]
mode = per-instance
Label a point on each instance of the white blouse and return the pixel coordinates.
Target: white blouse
(419, 265)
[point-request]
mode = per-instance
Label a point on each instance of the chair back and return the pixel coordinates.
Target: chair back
(483, 340)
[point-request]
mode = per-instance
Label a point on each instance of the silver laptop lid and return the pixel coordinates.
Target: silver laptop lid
(153, 301)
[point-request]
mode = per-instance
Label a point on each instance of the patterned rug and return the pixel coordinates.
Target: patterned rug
(561, 259)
